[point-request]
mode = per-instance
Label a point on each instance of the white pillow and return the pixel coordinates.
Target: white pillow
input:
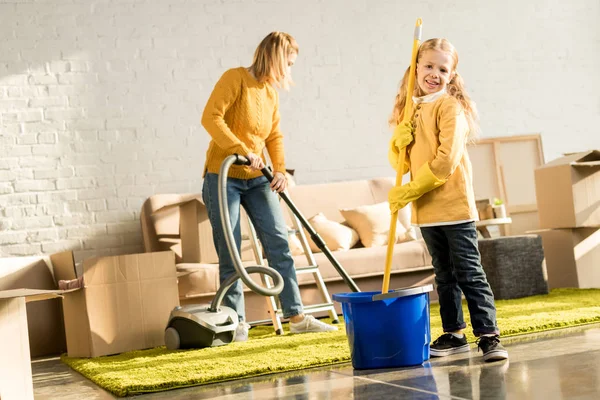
(335, 235)
(372, 222)
(295, 244)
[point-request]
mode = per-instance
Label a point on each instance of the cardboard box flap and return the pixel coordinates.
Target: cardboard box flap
(184, 200)
(63, 265)
(581, 158)
(127, 268)
(31, 294)
(166, 218)
(30, 272)
(591, 159)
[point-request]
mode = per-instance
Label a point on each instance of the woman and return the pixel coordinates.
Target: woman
(242, 116)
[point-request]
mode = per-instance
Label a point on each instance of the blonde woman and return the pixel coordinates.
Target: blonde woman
(242, 116)
(441, 191)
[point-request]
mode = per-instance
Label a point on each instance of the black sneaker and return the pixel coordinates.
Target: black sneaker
(448, 344)
(491, 348)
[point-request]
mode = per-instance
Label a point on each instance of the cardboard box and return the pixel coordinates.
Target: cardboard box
(46, 328)
(195, 231)
(124, 305)
(572, 257)
(15, 364)
(568, 191)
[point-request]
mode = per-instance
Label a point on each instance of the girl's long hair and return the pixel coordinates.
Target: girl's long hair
(270, 61)
(455, 88)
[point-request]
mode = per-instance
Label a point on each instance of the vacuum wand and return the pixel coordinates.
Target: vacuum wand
(313, 234)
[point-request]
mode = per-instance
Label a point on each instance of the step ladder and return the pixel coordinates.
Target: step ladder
(273, 305)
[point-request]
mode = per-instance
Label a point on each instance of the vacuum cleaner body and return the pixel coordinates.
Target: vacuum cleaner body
(195, 326)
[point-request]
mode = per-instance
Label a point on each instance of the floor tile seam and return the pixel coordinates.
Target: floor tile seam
(442, 395)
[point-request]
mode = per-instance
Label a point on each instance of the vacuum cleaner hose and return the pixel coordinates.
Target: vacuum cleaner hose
(242, 272)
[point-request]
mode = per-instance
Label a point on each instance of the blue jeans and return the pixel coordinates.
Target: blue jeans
(262, 206)
(457, 266)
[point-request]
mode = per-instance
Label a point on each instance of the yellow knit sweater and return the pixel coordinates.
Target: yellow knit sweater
(242, 116)
(441, 132)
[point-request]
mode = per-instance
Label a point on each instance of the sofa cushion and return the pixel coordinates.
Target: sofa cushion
(372, 222)
(203, 279)
(368, 261)
(328, 198)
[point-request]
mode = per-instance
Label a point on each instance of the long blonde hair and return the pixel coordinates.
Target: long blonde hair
(455, 88)
(271, 58)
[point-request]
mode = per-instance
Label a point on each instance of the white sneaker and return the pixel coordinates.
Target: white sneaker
(241, 332)
(311, 324)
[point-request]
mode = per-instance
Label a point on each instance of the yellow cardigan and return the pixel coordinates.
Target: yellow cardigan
(440, 138)
(242, 116)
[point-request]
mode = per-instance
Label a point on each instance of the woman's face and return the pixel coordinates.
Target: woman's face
(290, 62)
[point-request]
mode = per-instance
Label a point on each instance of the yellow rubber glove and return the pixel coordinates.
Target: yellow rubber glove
(402, 137)
(423, 182)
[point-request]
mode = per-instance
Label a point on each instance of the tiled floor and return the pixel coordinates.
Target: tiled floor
(562, 364)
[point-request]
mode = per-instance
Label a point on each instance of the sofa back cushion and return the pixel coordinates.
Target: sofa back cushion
(328, 198)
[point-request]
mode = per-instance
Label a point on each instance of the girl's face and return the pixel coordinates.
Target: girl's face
(434, 71)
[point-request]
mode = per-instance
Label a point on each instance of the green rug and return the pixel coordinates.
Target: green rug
(159, 369)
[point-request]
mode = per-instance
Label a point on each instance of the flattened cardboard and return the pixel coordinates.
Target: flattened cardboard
(568, 191)
(195, 231)
(124, 305)
(15, 363)
(46, 331)
(572, 257)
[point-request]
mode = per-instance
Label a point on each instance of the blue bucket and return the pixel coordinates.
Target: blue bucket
(387, 330)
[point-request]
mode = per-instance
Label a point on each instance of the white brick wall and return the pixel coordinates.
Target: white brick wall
(100, 100)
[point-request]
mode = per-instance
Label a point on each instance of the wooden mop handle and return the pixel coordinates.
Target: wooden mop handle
(407, 116)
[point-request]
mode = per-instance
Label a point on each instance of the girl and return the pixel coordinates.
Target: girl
(441, 192)
(242, 116)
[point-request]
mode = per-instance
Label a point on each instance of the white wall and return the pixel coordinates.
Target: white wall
(100, 101)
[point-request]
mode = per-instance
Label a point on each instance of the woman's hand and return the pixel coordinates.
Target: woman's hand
(279, 182)
(255, 161)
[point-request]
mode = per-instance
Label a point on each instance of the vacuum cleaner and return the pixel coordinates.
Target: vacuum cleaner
(211, 325)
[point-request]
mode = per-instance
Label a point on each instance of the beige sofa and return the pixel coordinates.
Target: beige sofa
(411, 264)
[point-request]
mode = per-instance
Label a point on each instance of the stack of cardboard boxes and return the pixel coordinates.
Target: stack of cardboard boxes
(568, 198)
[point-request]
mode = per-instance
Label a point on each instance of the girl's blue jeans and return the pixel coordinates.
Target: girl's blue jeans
(457, 266)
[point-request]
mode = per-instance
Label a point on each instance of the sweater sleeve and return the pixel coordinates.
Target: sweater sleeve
(454, 131)
(274, 142)
(225, 93)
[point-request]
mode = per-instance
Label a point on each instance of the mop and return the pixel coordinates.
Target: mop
(406, 118)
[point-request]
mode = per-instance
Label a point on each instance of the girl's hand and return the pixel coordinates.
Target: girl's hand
(279, 182)
(255, 161)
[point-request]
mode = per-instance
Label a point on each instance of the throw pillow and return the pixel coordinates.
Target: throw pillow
(335, 235)
(372, 222)
(295, 244)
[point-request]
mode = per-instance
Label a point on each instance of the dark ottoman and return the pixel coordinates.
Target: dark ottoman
(514, 265)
